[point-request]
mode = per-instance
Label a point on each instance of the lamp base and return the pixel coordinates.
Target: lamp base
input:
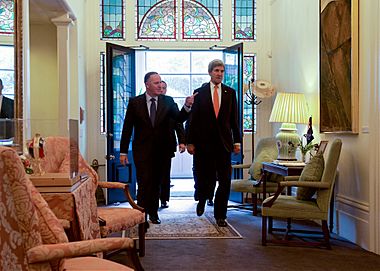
(287, 141)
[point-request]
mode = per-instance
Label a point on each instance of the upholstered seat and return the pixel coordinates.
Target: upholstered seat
(266, 151)
(317, 177)
(57, 159)
(32, 238)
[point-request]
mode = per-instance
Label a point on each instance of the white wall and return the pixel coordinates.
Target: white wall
(295, 67)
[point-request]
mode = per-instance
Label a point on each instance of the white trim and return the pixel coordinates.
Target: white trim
(361, 205)
(374, 123)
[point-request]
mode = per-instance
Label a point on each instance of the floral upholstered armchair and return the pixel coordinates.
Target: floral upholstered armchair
(111, 220)
(32, 237)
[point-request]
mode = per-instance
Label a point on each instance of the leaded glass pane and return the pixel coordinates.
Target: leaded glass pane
(244, 20)
(156, 19)
(112, 19)
(201, 20)
(7, 70)
(6, 17)
(249, 72)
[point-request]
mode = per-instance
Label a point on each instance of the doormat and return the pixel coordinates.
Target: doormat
(187, 226)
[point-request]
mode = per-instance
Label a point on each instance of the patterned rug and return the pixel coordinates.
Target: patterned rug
(188, 226)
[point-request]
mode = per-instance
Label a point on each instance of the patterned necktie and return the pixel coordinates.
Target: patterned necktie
(216, 100)
(152, 112)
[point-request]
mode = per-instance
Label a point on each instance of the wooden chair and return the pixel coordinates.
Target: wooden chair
(111, 220)
(32, 238)
(316, 208)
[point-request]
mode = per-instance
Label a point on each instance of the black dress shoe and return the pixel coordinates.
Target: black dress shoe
(164, 204)
(221, 222)
(201, 207)
(210, 202)
(154, 219)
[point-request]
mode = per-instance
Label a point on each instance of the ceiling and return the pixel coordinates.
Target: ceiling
(42, 11)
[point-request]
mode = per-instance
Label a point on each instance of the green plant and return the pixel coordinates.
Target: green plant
(307, 147)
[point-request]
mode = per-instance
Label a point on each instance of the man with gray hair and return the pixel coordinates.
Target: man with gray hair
(213, 134)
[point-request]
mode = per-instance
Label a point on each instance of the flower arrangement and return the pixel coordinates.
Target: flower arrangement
(27, 165)
(305, 148)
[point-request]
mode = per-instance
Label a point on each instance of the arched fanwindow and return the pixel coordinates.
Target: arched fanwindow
(201, 20)
(156, 21)
(6, 17)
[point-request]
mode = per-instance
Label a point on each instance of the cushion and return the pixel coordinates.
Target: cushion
(312, 172)
(255, 169)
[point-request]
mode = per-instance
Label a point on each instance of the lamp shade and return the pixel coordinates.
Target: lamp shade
(289, 108)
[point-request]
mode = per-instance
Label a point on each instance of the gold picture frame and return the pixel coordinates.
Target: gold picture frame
(339, 66)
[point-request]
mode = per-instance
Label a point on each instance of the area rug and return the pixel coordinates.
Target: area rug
(188, 226)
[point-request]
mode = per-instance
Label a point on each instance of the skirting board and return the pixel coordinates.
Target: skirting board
(352, 220)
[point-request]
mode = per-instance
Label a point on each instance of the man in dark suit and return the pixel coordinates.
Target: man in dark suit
(6, 113)
(177, 129)
(213, 135)
(149, 115)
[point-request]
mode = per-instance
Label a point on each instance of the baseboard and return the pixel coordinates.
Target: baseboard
(352, 220)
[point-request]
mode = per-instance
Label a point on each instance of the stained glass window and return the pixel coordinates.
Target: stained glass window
(156, 19)
(249, 72)
(201, 20)
(244, 20)
(6, 17)
(112, 19)
(102, 93)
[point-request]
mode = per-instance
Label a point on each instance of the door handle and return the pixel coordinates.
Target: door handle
(110, 157)
(109, 134)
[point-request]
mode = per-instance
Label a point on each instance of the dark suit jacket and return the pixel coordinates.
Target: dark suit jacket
(7, 113)
(204, 128)
(146, 137)
(177, 129)
(7, 108)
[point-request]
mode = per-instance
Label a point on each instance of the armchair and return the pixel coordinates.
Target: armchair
(32, 238)
(266, 151)
(111, 220)
(291, 207)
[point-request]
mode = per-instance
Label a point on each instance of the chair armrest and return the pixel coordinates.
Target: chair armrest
(125, 187)
(65, 223)
(49, 252)
(291, 178)
(316, 184)
(241, 166)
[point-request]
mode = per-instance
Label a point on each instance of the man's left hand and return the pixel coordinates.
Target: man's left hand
(190, 100)
(236, 149)
(181, 148)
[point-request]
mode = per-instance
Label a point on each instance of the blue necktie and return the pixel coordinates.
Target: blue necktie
(152, 112)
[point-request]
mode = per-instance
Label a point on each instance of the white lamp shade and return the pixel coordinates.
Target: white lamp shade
(289, 108)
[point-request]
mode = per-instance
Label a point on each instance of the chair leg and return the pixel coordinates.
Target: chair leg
(254, 204)
(263, 230)
(142, 239)
(326, 234)
(270, 224)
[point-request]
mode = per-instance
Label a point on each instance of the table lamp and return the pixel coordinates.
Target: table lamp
(288, 109)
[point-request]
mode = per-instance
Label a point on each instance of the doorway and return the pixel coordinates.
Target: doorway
(183, 71)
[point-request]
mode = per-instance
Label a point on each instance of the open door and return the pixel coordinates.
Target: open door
(120, 88)
(233, 77)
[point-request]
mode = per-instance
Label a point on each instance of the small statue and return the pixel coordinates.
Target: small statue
(36, 153)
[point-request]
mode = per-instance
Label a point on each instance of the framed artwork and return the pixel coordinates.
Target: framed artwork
(339, 66)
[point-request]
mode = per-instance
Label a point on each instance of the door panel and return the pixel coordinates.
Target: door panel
(120, 88)
(233, 77)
